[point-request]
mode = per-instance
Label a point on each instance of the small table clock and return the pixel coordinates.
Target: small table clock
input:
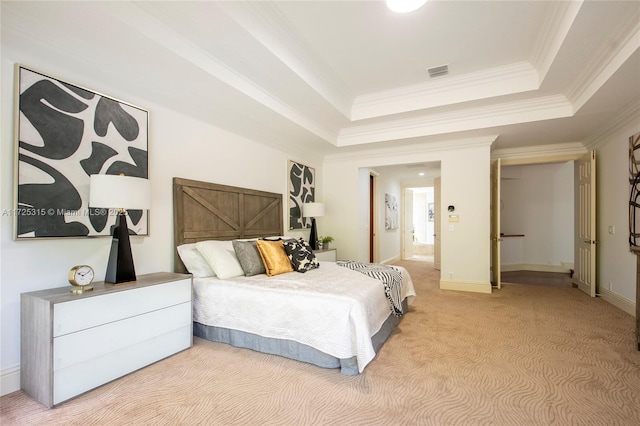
(81, 277)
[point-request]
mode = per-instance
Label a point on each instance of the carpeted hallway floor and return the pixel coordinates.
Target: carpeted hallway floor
(555, 279)
(524, 355)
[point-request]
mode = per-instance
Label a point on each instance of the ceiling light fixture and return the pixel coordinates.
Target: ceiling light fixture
(405, 6)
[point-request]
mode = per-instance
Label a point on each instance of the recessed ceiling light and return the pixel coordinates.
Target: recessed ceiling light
(421, 174)
(405, 6)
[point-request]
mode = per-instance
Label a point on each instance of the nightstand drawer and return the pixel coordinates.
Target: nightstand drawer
(89, 312)
(327, 255)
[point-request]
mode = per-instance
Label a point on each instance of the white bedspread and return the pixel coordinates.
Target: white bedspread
(333, 309)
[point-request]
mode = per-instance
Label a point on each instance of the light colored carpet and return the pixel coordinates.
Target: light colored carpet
(524, 355)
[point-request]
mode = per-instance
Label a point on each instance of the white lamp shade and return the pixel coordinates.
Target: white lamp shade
(119, 192)
(313, 209)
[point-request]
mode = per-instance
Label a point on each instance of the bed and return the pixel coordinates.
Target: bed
(330, 316)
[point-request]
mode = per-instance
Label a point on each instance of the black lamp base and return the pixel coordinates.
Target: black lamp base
(120, 267)
(313, 237)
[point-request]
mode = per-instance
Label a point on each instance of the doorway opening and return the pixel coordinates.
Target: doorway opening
(419, 223)
(541, 209)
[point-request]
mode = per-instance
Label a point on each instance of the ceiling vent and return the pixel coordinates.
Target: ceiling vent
(438, 71)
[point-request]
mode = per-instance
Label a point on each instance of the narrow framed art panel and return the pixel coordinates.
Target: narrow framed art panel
(302, 189)
(634, 196)
(64, 133)
(391, 217)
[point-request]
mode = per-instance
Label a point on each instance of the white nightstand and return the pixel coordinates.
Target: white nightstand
(72, 343)
(326, 255)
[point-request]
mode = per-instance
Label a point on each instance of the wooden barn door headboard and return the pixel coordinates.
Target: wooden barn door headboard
(208, 211)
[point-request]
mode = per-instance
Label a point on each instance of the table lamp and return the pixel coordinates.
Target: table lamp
(119, 192)
(313, 210)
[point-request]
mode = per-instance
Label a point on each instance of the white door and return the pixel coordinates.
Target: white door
(436, 223)
(408, 224)
(586, 238)
(495, 224)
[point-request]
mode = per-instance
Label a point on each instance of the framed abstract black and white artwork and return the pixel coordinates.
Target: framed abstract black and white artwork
(302, 182)
(65, 133)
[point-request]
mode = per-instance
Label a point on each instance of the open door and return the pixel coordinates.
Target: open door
(586, 235)
(495, 224)
(373, 230)
(407, 252)
(436, 223)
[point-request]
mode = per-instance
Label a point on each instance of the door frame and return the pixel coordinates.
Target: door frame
(496, 235)
(437, 236)
(373, 216)
(406, 223)
(585, 247)
(575, 157)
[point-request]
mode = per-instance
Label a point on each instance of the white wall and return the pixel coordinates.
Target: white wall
(465, 183)
(179, 146)
(616, 264)
(465, 245)
(537, 201)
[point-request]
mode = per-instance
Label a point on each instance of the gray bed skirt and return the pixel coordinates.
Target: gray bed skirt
(291, 349)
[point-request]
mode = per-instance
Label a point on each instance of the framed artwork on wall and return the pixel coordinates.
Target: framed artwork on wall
(302, 189)
(65, 133)
(634, 196)
(391, 217)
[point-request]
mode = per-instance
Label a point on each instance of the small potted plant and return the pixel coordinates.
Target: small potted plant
(325, 241)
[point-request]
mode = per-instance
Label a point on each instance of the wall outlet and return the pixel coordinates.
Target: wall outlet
(450, 274)
(609, 285)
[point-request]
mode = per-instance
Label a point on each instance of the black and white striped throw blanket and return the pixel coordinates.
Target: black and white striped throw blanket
(390, 277)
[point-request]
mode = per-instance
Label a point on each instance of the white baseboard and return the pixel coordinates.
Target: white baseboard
(473, 286)
(9, 380)
(565, 267)
(618, 301)
(391, 260)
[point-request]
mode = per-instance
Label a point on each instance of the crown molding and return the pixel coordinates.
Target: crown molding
(561, 17)
(505, 80)
(607, 61)
(542, 108)
(513, 78)
(412, 150)
(268, 26)
(540, 153)
(182, 47)
(629, 114)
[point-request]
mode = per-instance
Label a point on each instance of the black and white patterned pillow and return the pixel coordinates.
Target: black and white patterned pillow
(300, 255)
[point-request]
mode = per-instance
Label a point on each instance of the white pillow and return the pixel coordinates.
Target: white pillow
(194, 262)
(222, 258)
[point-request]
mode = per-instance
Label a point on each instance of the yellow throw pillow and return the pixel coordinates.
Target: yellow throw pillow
(274, 257)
